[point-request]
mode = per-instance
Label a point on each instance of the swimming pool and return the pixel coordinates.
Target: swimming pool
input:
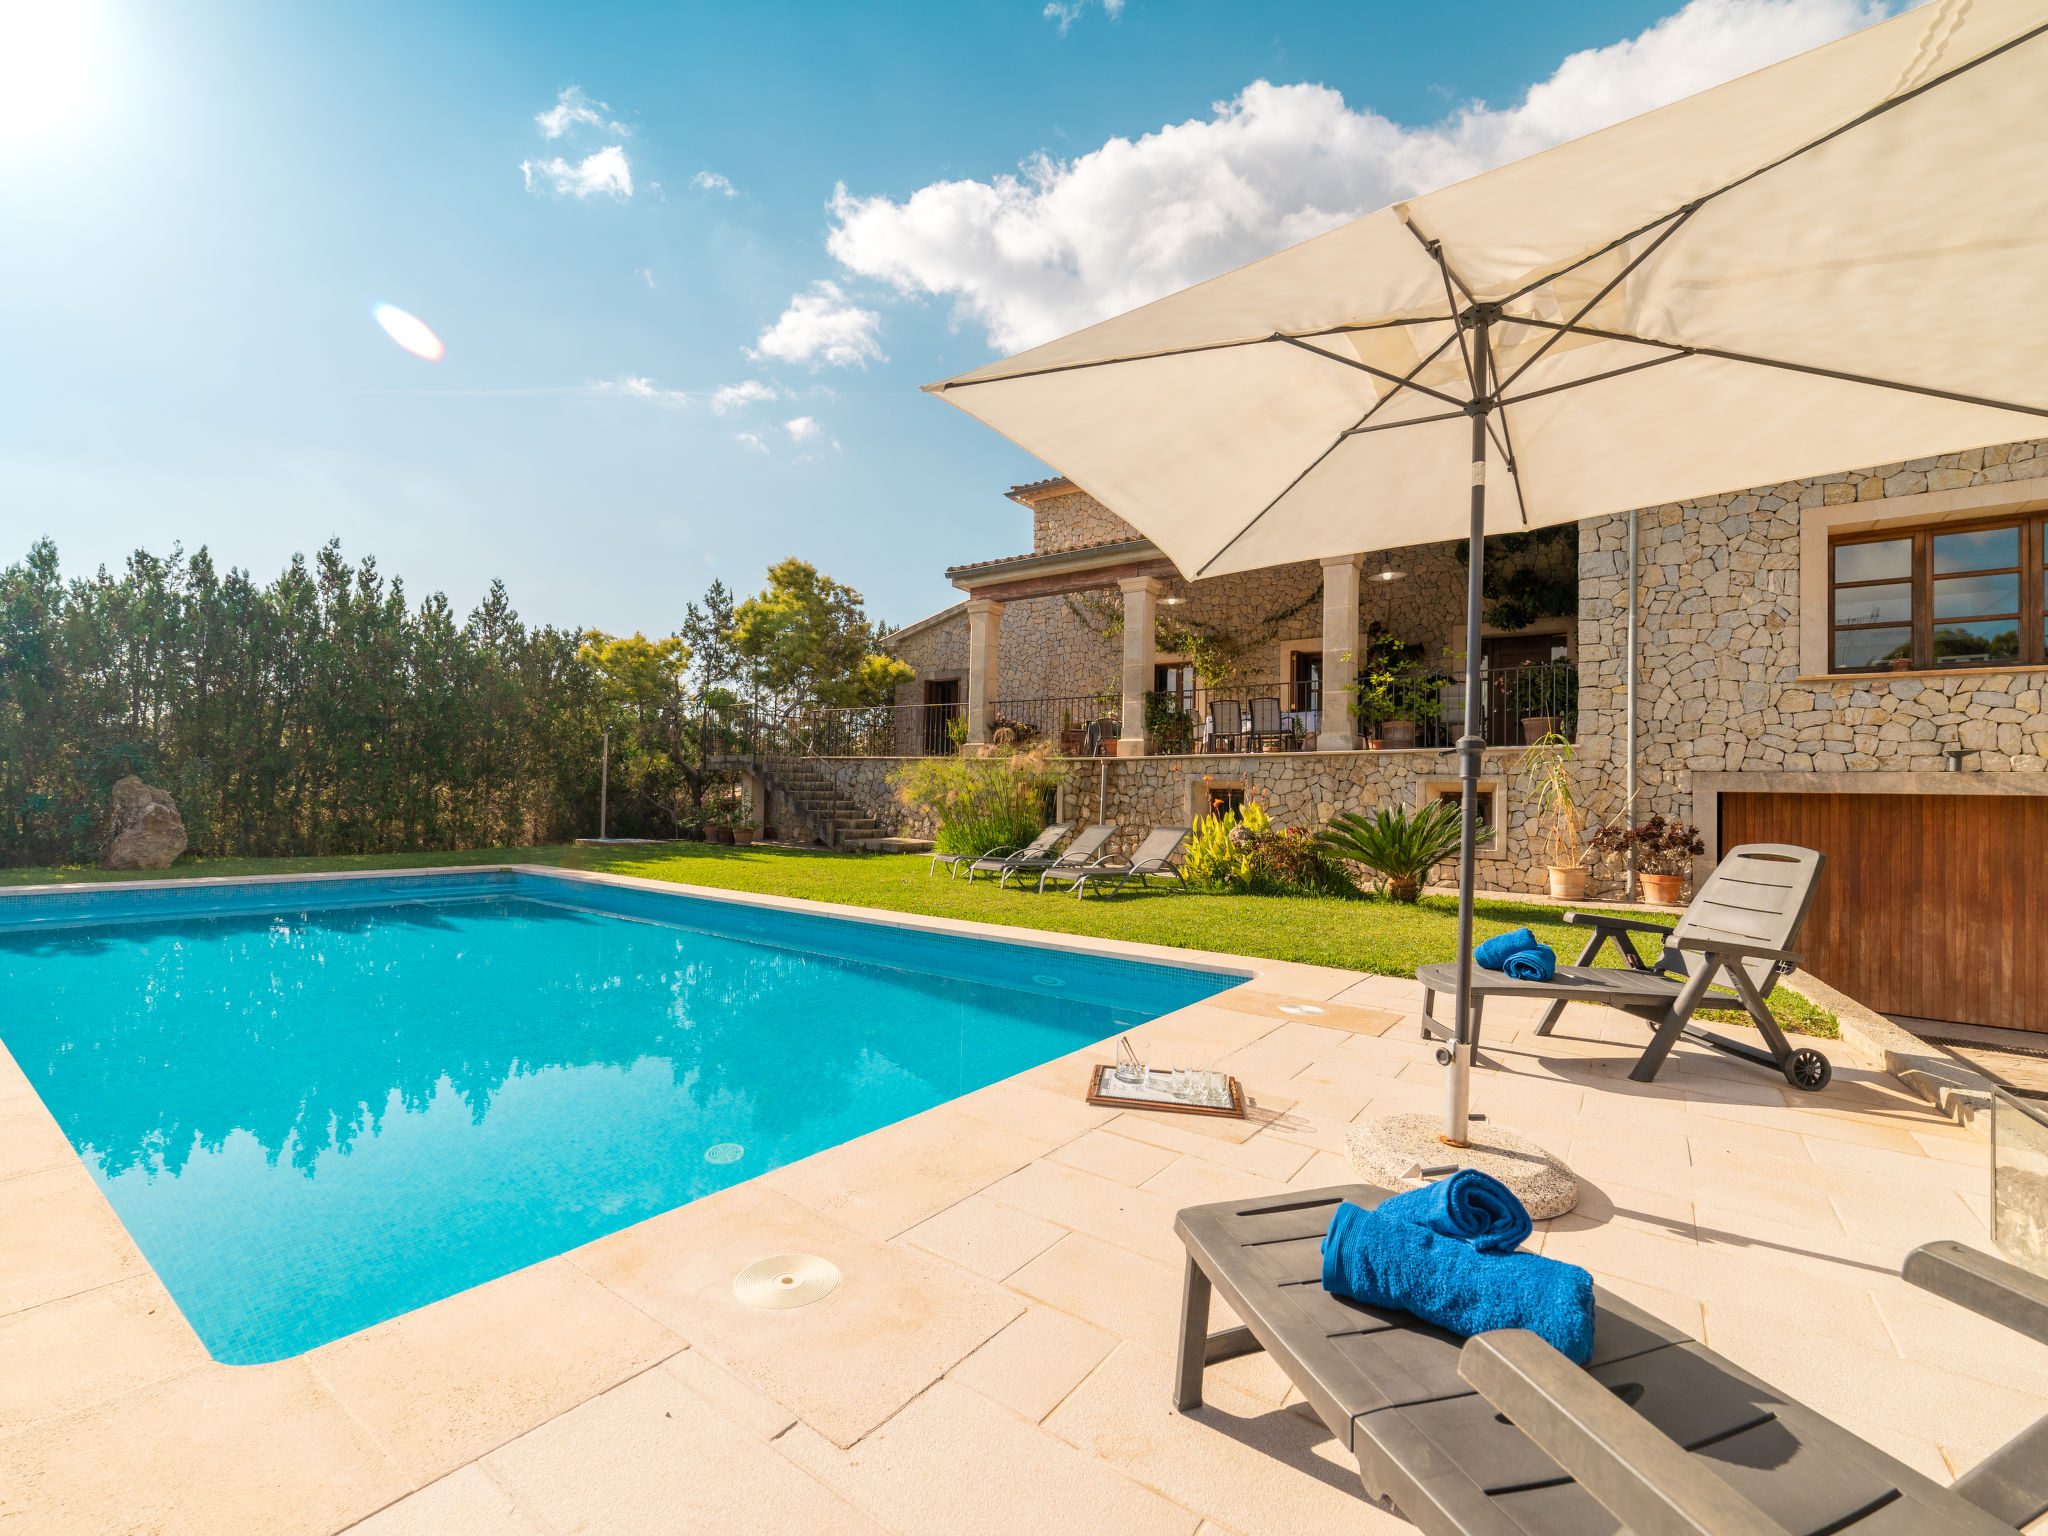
(317, 1104)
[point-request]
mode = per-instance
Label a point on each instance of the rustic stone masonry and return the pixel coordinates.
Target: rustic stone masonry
(1303, 789)
(1722, 685)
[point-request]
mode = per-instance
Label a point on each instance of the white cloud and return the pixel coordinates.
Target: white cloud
(1070, 242)
(1067, 12)
(711, 181)
(645, 274)
(803, 429)
(822, 326)
(736, 397)
(573, 109)
(606, 172)
(637, 388)
(751, 441)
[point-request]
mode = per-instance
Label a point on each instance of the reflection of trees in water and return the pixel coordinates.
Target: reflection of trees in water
(302, 1028)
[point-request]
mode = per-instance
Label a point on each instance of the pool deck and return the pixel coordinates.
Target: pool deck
(997, 1358)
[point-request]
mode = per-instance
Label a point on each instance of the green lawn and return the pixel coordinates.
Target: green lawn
(1375, 935)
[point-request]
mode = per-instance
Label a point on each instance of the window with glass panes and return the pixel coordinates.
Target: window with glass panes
(1923, 599)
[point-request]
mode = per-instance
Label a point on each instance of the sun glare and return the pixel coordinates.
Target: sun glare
(48, 49)
(410, 332)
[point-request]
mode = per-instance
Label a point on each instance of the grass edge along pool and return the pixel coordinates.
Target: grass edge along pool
(282, 1084)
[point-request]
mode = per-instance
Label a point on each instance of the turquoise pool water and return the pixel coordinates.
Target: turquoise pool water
(319, 1105)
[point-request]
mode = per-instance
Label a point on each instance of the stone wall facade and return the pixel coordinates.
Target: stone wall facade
(1727, 685)
(1075, 520)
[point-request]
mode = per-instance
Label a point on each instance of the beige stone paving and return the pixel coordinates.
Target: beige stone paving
(998, 1358)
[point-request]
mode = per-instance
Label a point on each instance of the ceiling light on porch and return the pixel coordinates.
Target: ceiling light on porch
(1171, 602)
(1388, 575)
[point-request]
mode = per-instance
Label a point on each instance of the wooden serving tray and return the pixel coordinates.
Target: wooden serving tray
(1106, 1091)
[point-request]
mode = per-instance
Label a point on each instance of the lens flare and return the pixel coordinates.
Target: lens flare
(410, 332)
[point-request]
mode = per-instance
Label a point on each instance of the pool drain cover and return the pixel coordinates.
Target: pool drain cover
(786, 1280)
(725, 1152)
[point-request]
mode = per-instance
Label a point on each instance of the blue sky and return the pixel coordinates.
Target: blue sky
(202, 203)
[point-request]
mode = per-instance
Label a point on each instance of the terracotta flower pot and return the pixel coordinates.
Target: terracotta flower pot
(1664, 890)
(742, 835)
(1397, 735)
(721, 835)
(1568, 883)
(1536, 727)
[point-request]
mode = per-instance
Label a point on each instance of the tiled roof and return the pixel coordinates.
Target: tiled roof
(1044, 554)
(1023, 493)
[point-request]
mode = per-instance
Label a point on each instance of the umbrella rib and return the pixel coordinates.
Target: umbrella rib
(1205, 346)
(1614, 282)
(1378, 373)
(1387, 426)
(1351, 431)
(1680, 349)
(1595, 378)
(1833, 133)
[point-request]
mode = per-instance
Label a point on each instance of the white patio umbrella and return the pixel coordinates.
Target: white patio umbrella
(1838, 260)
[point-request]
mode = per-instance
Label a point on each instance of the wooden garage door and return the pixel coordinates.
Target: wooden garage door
(1931, 905)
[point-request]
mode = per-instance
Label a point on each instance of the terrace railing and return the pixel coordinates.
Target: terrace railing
(1062, 721)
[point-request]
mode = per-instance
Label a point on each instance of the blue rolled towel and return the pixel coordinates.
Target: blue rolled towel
(1470, 1206)
(1493, 954)
(1538, 964)
(1384, 1261)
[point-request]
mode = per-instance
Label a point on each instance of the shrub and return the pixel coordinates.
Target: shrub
(1398, 846)
(1245, 853)
(979, 803)
(1661, 847)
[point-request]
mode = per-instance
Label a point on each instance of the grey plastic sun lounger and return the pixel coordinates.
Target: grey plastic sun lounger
(998, 861)
(1079, 854)
(1038, 847)
(1156, 855)
(1742, 925)
(1657, 1435)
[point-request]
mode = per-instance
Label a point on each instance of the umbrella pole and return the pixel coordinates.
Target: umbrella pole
(1471, 745)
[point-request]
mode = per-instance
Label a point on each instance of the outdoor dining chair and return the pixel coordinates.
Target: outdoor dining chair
(1226, 725)
(1500, 1435)
(1743, 925)
(1263, 723)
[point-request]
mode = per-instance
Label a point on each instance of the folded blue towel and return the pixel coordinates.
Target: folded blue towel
(1538, 964)
(1384, 1261)
(1493, 954)
(1471, 1206)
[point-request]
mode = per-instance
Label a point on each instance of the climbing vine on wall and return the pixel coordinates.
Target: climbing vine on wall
(1216, 657)
(1520, 584)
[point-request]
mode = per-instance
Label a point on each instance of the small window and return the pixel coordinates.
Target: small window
(1939, 597)
(1456, 797)
(1225, 800)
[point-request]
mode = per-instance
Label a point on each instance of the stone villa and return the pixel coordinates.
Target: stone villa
(1853, 662)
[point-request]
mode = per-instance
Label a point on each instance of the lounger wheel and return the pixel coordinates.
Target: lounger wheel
(1808, 1070)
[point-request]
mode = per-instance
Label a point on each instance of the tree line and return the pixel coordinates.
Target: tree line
(324, 712)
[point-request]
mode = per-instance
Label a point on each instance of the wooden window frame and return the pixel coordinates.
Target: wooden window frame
(2033, 579)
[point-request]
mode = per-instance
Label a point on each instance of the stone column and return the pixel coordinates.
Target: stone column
(1141, 645)
(984, 622)
(1339, 732)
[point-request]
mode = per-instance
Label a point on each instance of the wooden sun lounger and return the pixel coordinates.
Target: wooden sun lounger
(1743, 926)
(1656, 1435)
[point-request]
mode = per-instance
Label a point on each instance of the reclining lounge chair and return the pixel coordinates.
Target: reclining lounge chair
(1079, 854)
(1040, 846)
(1744, 923)
(1657, 1435)
(1154, 856)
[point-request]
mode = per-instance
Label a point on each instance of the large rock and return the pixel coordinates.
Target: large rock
(148, 831)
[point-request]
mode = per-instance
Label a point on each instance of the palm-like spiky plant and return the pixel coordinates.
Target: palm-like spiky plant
(1398, 845)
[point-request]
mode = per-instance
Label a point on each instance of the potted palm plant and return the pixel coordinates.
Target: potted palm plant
(1558, 825)
(1397, 845)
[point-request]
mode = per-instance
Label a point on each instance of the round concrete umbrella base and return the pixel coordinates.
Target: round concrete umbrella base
(1393, 1151)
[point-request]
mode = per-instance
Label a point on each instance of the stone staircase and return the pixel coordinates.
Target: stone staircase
(834, 817)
